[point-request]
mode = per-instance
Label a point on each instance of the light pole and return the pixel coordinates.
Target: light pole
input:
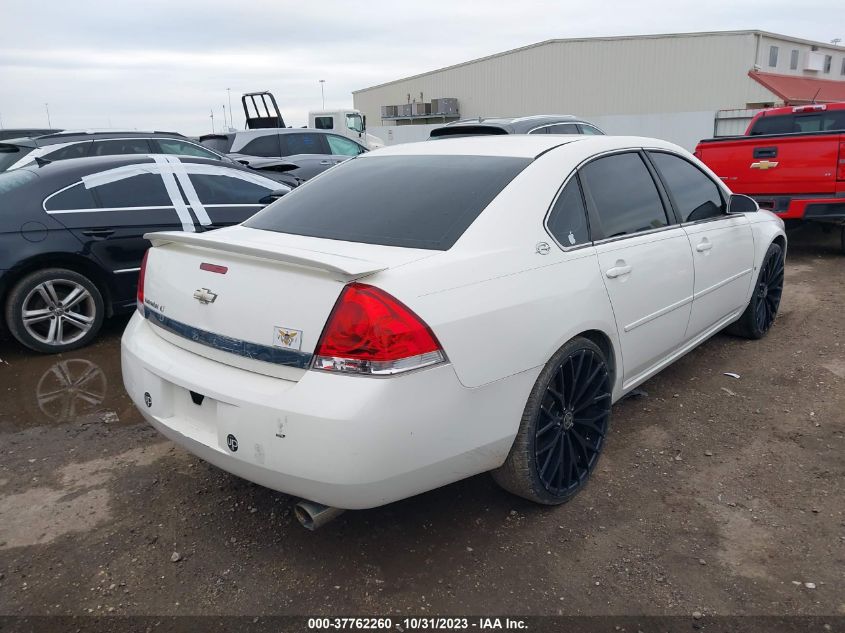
(323, 92)
(231, 121)
(47, 107)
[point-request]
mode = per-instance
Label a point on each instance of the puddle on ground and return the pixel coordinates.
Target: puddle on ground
(81, 387)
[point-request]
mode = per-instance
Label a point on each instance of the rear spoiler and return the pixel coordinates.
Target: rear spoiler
(330, 262)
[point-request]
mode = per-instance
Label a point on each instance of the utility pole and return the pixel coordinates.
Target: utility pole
(231, 122)
(224, 118)
(212, 120)
(47, 107)
(323, 92)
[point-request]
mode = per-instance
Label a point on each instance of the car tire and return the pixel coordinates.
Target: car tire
(54, 310)
(759, 315)
(563, 427)
(842, 240)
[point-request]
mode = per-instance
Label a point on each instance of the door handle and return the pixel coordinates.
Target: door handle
(617, 271)
(704, 246)
(325, 162)
(100, 233)
(765, 152)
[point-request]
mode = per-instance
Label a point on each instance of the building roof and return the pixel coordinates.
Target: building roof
(798, 89)
(788, 38)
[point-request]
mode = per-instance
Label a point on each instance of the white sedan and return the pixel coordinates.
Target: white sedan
(431, 311)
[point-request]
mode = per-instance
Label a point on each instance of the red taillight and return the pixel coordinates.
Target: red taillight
(214, 268)
(141, 275)
(370, 332)
(815, 107)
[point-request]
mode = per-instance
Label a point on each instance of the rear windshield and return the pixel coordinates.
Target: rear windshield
(14, 179)
(466, 130)
(798, 123)
(411, 201)
(10, 154)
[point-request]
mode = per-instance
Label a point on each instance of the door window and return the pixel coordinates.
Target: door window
(144, 190)
(355, 123)
(624, 194)
(266, 146)
(343, 146)
(305, 143)
(117, 146)
(568, 219)
(214, 189)
(76, 150)
(694, 195)
(181, 148)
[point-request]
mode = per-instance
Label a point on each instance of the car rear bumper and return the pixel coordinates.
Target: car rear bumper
(344, 441)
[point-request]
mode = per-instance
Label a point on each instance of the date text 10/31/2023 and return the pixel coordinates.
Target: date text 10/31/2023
(417, 623)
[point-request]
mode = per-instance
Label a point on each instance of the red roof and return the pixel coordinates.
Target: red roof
(796, 89)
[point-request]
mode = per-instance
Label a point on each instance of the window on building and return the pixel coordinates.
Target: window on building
(828, 61)
(568, 219)
(793, 59)
(773, 56)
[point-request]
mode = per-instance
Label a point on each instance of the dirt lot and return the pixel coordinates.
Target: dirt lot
(715, 494)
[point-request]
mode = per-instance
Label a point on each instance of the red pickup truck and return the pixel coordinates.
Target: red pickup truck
(791, 160)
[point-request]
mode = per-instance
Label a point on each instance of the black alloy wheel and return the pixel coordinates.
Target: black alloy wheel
(563, 428)
(762, 310)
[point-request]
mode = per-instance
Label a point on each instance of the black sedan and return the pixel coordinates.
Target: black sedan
(71, 234)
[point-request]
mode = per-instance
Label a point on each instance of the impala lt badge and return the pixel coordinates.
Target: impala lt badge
(205, 296)
(764, 164)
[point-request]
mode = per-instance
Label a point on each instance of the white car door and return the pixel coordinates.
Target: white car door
(644, 257)
(722, 244)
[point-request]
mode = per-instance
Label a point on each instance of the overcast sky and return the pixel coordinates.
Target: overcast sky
(164, 64)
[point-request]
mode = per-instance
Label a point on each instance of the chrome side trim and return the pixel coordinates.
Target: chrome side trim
(254, 351)
(659, 313)
(126, 270)
(724, 282)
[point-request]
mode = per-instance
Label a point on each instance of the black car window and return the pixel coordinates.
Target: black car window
(181, 148)
(694, 195)
(343, 146)
(303, 143)
(76, 150)
(410, 201)
(590, 130)
(144, 190)
(117, 146)
(75, 197)
(213, 189)
(563, 128)
(10, 154)
(568, 219)
(624, 193)
(266, 146)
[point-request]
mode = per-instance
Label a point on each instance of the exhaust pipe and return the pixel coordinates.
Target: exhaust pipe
(313, 515)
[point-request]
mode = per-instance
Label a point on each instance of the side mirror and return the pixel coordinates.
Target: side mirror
(364, 123)
(742, 204)
(273, 196)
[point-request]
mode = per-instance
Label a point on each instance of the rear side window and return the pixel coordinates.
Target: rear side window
(590, 130)
(218, 143)
(773, 125)
(144, 190)
(181, 148)
(266, 146)
(77, 150)
(227, 190)
(75, 197)
(792, 123)
(568, 219)
(694, 195)
(324, 122)
(410, 201)
(303, 144)
(625, 195)
(121, 146)
(564, 128)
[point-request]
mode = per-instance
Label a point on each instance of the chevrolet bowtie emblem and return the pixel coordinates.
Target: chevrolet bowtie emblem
(205, 296)
(764, 164)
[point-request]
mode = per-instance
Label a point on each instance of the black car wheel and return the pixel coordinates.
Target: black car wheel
(763, 307)
(54, 310)
(563, 427)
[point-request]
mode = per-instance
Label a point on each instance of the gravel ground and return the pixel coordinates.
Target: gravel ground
(715, 494)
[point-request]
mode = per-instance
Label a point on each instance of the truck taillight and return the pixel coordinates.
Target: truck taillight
(141, 275)
(369, 332)
(840, 169)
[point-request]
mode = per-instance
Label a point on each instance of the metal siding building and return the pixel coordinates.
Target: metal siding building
(659, 85)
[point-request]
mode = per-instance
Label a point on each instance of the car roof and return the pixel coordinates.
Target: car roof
(517, 145)
(77, 167)
(69, 136)
(518, 124)
(281, 130)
